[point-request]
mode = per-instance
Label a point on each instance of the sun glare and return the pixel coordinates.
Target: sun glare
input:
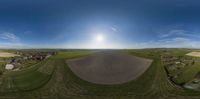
(99, 38)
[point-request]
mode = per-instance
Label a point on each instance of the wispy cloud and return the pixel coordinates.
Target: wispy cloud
(177, 42)
(12, 45)
(178, 33)
(174, 38)
(114, 29)
(9, 36)
(10, 40)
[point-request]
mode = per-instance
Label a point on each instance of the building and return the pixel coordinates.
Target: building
(9, 66)
(48, 56)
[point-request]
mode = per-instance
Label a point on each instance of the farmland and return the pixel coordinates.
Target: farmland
(109, 67)
(6, 54)
(53, 79)
(195, 54)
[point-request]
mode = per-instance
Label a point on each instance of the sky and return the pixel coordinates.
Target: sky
(99, 24)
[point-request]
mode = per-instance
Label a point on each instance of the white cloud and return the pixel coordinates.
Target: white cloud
(175, 38)
(9, 36)
(10, 40)
(114, 29)
(177, 42)
(178, 33)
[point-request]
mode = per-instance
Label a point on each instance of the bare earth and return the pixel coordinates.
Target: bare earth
(109, 67)
(6, 54)
(196, 54)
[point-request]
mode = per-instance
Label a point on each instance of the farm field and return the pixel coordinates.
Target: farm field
(6, 54)
(196, 54)
(109, 67)
(99, 49)
(53, 79)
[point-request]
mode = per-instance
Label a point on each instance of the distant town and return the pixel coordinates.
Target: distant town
(21, 59)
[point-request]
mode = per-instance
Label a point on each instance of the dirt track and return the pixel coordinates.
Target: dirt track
(109, 67)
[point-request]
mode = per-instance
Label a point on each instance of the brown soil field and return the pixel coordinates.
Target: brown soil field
(109, 67)
(195, 54)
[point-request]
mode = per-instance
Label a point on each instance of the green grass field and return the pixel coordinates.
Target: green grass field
(188, 73)
(52, 79)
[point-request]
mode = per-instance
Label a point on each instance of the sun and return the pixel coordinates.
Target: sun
(99, 38)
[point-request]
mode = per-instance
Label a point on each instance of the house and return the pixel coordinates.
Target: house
(25, 58)
(9, 66)
(177, 62)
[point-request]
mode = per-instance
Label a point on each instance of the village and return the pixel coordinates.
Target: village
(175, 64)
(22, 59)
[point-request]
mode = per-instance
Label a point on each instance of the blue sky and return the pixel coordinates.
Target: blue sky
(122, 23)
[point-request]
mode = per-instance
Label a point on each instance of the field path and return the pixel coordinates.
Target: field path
(109, 67)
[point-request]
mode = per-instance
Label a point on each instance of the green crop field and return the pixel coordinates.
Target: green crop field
(52, 79)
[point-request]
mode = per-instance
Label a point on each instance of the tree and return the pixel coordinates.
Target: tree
(193, 62)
